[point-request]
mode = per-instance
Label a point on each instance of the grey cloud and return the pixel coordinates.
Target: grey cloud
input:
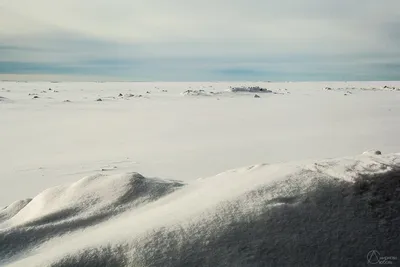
(163, 39)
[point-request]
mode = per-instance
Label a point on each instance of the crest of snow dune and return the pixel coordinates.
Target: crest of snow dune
(262, 215)
(11, 210)
(98, 195)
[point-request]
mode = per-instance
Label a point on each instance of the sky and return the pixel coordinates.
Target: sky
(186, 40)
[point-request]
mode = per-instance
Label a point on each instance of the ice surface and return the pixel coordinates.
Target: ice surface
(46, 142)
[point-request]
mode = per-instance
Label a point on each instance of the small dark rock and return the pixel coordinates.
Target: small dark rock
(67, 101)
(120, 95)
(50, 89)
(256, 96)
(148, 92)
(99, 99)
(35, 97)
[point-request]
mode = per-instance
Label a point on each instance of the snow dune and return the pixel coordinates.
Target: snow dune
(313, 213)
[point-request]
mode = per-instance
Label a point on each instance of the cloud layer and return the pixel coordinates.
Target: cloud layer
(197, 40)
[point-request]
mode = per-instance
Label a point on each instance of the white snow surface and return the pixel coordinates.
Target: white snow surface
(46, 142)
(301, 213)
(53, 134)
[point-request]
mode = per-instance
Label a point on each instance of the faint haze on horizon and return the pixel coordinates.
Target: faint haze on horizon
(177, 40)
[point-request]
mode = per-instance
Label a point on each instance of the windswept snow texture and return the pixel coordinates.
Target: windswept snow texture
(150, 128)
(325, 213)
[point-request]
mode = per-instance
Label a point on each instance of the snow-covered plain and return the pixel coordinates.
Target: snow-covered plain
(308, 213)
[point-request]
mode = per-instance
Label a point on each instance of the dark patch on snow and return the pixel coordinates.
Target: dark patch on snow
(251, 89)
(4, 99)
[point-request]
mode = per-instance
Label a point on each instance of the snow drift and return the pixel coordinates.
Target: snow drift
(324, 213)
(4, 99)
(197, 93)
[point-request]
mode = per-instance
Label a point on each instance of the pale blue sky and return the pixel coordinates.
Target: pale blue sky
(184, 40)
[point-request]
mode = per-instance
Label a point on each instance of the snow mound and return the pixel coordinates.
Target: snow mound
(82, 204)
(325, 213)
(11, 210)
(372, 152)
(95, 194)
(391, 88)
(251, 89)
(197, 93)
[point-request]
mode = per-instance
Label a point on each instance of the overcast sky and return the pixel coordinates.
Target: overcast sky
(185, 40)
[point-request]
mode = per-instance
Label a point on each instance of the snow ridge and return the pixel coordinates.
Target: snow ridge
(324, 213)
